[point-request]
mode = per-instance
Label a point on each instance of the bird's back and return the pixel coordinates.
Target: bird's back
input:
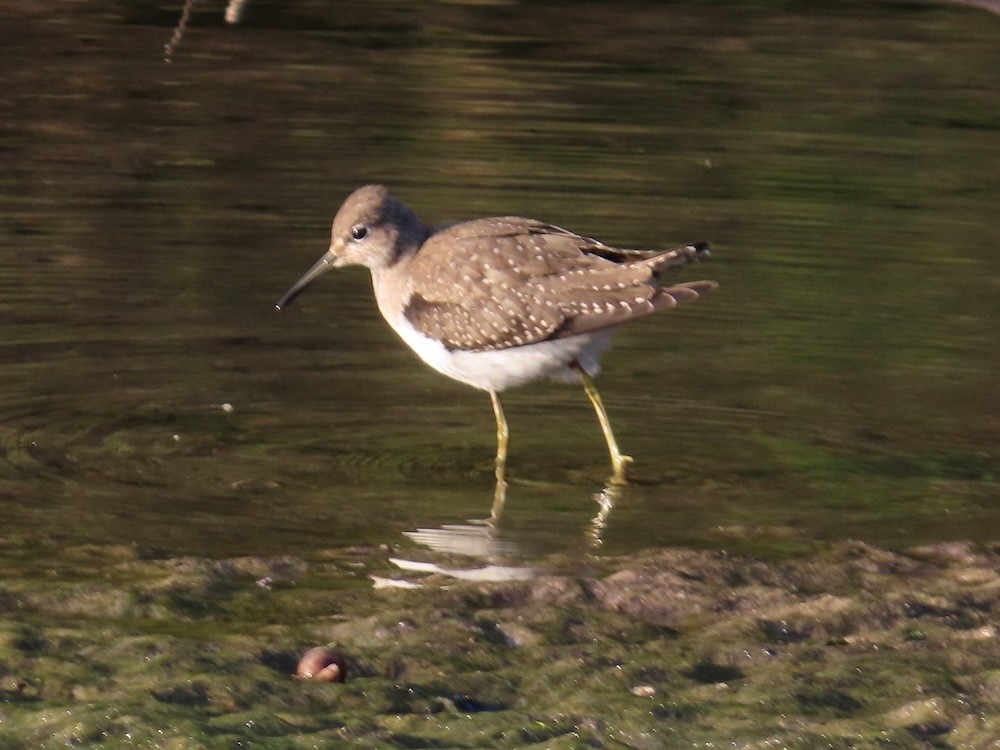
(509, 281)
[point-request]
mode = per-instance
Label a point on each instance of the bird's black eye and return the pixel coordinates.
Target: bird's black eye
(358, 232)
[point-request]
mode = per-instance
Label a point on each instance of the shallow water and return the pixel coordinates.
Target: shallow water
(840, 384)
(194, 489)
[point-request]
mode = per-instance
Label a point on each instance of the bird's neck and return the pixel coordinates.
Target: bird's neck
(392, 289)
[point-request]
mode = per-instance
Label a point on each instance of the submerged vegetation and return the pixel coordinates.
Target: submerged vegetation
(849, 647)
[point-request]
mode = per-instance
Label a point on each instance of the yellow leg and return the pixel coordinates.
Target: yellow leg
(619, 462)
(500, 494)
(502, 434)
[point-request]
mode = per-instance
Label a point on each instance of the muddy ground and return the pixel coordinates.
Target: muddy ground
(850, 647)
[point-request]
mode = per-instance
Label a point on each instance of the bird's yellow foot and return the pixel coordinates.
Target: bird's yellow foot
(619, 465)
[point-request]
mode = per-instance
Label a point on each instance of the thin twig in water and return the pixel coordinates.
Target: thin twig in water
(168, 48)
(234, 14)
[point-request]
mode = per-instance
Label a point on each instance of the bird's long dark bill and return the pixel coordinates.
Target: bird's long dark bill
(324, 263)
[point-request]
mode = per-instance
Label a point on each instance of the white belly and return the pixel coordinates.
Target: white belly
(501, 369)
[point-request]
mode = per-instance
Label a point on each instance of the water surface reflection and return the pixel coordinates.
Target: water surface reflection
(841, 384)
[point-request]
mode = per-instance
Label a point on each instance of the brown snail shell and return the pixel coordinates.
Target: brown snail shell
(322, 663)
